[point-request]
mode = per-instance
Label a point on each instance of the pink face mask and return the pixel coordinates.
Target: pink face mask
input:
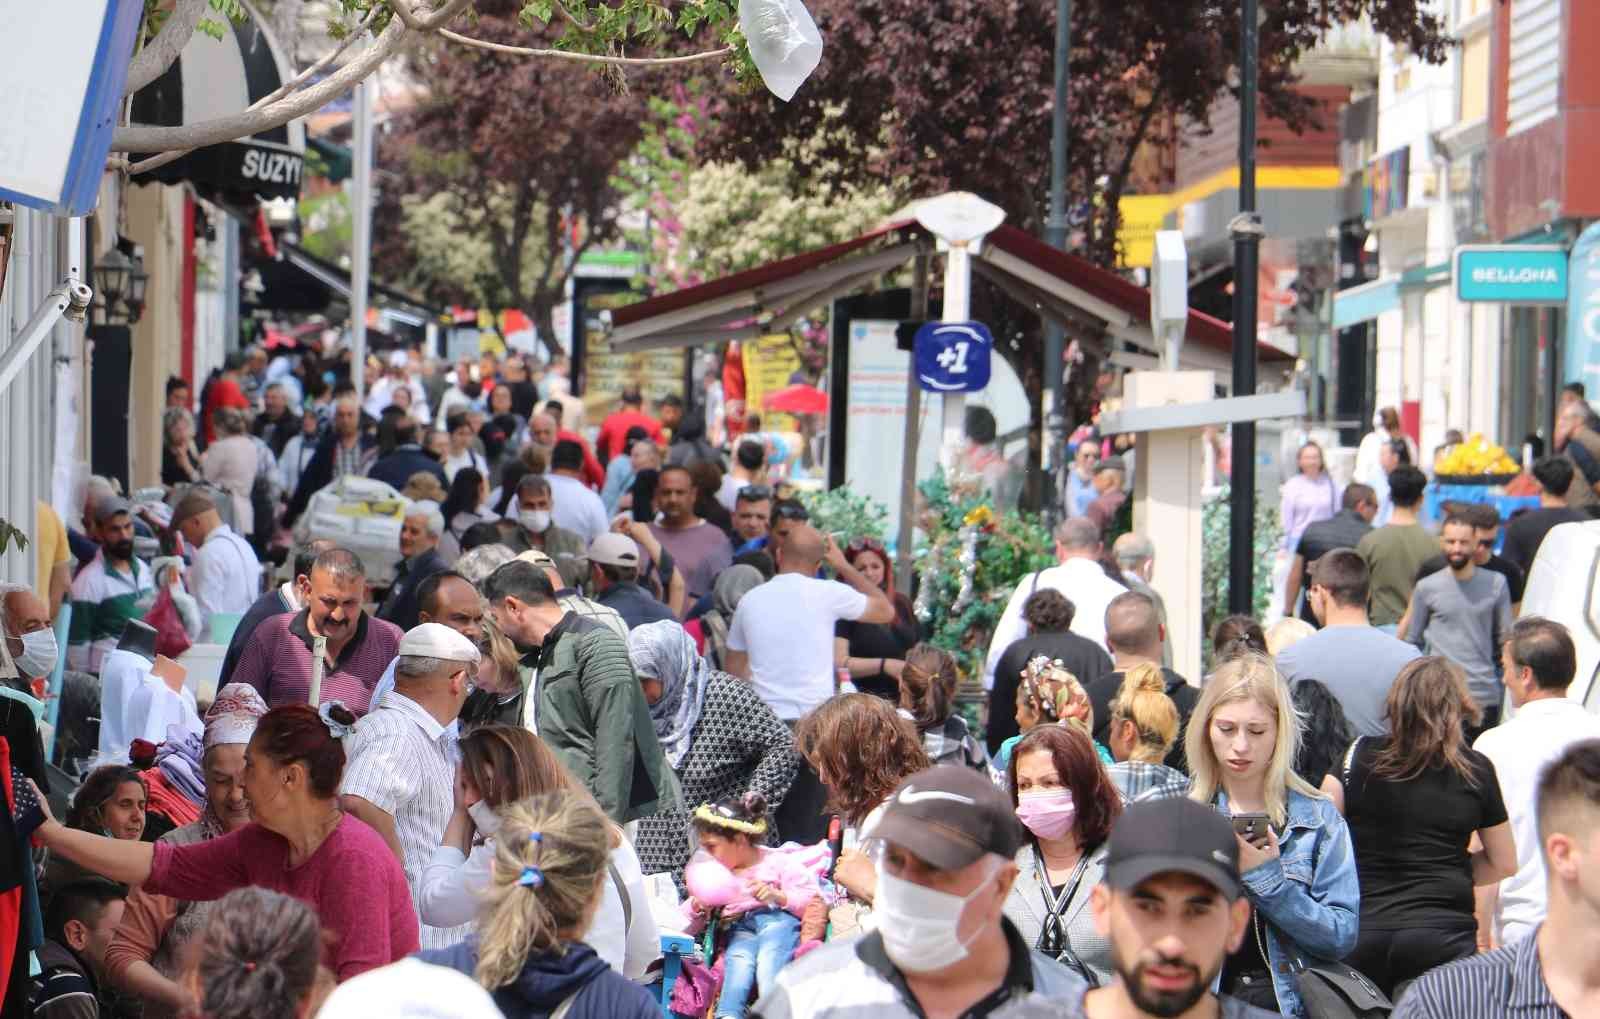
(1048, 815)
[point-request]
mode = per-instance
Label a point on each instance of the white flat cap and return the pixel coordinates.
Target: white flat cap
(435, 640)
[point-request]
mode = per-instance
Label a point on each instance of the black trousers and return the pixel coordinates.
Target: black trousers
(1491, 718)
(1391, 958)
(803, 815)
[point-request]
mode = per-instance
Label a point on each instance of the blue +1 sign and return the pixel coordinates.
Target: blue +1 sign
(953, 357)
(1511, 273)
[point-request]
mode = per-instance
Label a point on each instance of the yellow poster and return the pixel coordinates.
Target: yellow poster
(656, 373)
(1140, 217)
(768, 363)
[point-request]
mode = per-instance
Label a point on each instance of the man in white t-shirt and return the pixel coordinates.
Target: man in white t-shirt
(1539, 662)
(781, 638)
(1079, 577)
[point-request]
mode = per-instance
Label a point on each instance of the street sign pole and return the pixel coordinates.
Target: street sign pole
(957, 305)
(1055, 420)
(1246, 229)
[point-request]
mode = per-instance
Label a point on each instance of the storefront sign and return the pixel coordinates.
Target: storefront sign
(769, 361)
(1387, 183)
(1511, 273)
(1583, 312)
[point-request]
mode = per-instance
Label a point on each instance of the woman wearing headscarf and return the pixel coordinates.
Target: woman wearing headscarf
(145, 958)
(710, 631)
(720, 738)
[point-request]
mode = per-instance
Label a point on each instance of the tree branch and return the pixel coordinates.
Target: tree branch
(154, 162)
(590, 58)
(246, 123)
(152, 62)
(433, 20)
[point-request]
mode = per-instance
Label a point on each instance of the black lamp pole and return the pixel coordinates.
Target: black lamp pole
(1246, 229)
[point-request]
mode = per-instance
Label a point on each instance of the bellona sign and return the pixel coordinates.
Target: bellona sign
(1511, 273)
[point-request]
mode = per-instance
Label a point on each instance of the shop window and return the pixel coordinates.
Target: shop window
(1474, 92)
(1533, 88)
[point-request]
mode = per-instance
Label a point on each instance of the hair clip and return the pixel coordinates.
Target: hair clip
(250, 966)
(532, 876)
(336, 728)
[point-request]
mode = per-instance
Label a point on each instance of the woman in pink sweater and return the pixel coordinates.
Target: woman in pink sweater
(761, 893)
(298, 842)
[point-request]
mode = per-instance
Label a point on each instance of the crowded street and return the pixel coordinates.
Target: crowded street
(798, 509)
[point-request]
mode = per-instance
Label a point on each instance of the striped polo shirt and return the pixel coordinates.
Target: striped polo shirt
(277, 662)
(104, 599)
(1505, 982)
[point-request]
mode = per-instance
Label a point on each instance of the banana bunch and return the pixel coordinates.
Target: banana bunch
(1476, 455)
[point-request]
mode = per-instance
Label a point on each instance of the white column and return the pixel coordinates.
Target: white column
(1169, 476)
(957, 308)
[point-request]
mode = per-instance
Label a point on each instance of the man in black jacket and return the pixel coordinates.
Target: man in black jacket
(419, 541)
(341, 451)
(1136, 636)
(406, 459)
(79, 925)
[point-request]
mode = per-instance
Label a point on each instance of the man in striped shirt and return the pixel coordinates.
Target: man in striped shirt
(401, 770)
(1550, 974)
(107, 592)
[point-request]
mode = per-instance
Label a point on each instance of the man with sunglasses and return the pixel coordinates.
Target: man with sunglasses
(1464, 614)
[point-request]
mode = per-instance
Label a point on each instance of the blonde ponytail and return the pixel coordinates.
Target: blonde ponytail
(550, 858)
(1143, 701)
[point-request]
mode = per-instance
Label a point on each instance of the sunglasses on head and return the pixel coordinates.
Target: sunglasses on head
(1486, 543)
(791, 513)
(864, 544)
(754, 493)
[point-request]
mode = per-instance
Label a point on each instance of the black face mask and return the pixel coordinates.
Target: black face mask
(120, 549)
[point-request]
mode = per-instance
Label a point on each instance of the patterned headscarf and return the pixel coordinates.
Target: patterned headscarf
(1055, 694)
(232, 717)
(663, 651)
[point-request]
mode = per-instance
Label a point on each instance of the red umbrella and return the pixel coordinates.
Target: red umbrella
(797, 399)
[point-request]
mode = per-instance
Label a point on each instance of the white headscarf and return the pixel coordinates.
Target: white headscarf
(232, 717)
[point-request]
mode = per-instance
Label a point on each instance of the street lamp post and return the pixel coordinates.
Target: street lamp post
(1056, 236)
(1246, 230)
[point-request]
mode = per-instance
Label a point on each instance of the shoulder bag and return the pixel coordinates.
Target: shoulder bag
(1335, 990)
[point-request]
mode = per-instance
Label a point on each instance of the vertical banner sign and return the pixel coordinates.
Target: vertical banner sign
(1583, 312)
(875, 413)
(769, 361)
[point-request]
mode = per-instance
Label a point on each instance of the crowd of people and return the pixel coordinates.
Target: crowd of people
(619, 686)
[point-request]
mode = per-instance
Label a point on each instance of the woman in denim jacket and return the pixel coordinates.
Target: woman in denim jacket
(1300, 874)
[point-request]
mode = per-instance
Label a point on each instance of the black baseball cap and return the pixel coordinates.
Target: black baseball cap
(950, 816)
(1173, 836)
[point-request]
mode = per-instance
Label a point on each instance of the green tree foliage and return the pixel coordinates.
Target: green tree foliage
(1215, 521)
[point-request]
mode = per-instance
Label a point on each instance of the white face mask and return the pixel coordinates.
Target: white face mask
(484, 817)
(920, 926)
(537, 521)
(39, 653)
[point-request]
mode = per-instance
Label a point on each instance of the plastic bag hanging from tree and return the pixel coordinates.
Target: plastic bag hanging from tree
(784, 43)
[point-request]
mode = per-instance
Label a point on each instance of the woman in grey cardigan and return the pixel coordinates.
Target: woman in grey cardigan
(1068, 803)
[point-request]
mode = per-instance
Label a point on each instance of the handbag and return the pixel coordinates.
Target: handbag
(1334, 990)
(172, 639)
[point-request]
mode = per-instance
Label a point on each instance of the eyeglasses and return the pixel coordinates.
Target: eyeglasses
(754, 493)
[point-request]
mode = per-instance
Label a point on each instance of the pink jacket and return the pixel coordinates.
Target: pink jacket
(716, 886)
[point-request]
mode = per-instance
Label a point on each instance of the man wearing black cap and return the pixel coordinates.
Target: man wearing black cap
(108, 592)
(1173, 907)
(943, 946)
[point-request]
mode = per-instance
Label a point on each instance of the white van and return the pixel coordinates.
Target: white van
(1562, 586)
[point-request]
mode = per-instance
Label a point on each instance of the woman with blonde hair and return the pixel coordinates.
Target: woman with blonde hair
(1143, 729)
(545, 884)
(1414, 800)
(500, 688)
(1295, 854)
(502, 765)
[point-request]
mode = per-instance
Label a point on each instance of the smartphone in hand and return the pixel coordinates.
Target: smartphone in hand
(1255, 829)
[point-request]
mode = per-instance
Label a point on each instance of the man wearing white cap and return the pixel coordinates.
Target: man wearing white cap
(401, 763)
(614, 562)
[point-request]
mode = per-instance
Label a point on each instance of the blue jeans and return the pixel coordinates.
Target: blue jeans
(759, 945)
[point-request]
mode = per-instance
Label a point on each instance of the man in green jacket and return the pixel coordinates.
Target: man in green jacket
(586, 701)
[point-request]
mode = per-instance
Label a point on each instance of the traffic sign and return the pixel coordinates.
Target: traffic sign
(953, 357)
(1511, 273)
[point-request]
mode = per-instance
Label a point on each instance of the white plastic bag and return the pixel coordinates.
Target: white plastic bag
(784, 43)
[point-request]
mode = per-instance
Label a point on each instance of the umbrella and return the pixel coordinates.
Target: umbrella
(797, 399)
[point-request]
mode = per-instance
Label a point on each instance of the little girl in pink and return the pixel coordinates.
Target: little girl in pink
(761, 892)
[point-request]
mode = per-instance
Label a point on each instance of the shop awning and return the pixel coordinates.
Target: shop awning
(1366, 302)
(1056, 285)
(216, 78)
